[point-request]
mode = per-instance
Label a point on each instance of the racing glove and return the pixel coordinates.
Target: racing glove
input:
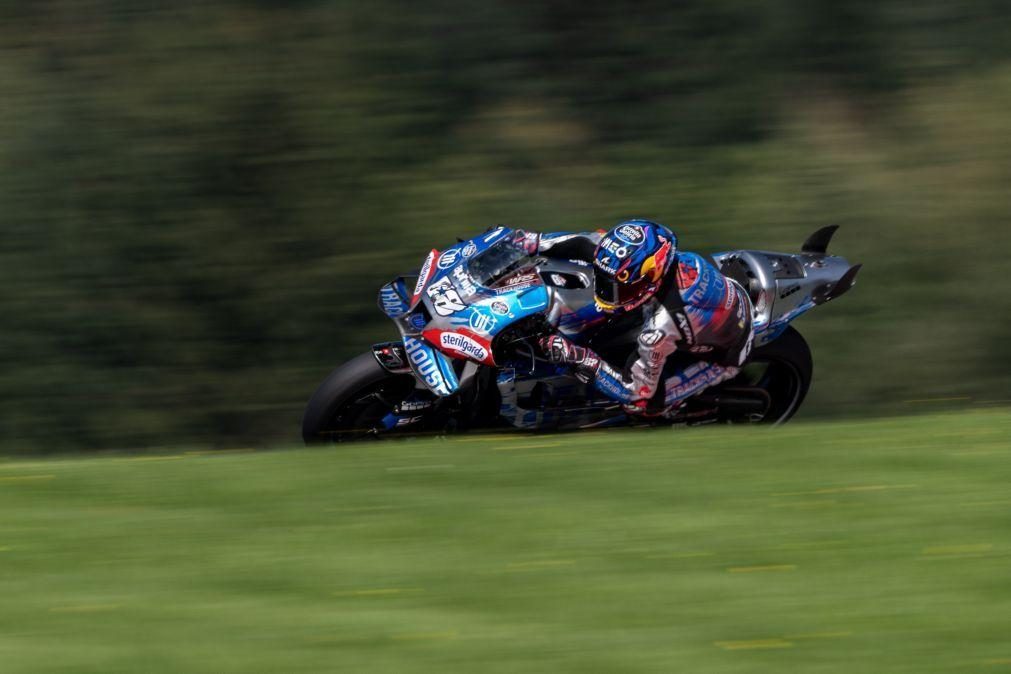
(558, 349)
(528, 241)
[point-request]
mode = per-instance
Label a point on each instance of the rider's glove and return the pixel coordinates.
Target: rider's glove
(528, 241)
(557, 349)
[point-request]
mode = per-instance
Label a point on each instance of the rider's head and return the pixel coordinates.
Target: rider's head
(630, 262)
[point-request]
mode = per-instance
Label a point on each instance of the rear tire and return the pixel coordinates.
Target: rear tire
(352, 399)
(787, 375)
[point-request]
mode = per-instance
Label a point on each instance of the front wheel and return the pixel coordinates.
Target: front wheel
(352, 401)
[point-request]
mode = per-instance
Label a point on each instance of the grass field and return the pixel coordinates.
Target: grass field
(872, 547)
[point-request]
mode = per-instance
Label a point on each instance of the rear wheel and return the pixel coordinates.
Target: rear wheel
(352, 401)
(781, 369)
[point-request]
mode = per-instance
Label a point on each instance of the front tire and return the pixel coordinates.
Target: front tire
(352, 400)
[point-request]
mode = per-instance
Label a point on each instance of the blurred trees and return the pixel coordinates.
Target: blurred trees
(199, 200)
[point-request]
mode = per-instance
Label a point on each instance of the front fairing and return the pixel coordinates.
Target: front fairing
(467, 295)
(465, 313)
(448, 315)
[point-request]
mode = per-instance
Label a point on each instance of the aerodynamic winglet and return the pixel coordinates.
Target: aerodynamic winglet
(847, 281)
(817, 243)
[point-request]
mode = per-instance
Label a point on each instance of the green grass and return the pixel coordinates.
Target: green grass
(879, 547)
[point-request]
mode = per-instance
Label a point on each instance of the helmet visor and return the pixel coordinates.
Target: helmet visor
(611, 293)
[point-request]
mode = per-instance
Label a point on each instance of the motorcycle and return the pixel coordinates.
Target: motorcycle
(471, 317)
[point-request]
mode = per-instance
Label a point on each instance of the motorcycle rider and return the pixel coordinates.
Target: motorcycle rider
(683, 304)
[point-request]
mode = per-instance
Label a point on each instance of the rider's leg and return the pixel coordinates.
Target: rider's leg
(693, 379)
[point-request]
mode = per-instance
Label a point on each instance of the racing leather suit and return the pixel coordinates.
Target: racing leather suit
(696, 310)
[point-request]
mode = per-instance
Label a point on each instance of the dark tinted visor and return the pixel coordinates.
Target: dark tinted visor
(609, 291)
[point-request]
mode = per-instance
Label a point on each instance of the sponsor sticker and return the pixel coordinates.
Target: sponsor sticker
(702, 286)
(516, 281)
(614, 248)
(500, 308)
(464, 282)
(482, 323)
(449, 258)
(651, 337)
(605, 264)
(694, 382)
(425, 273)
(607, 379)
(416, 321)
(391, 302)
(414, 405)
(463, 345)
(469, 249)
(559, 280)
(445, 299)
(425, 366)
(687, 334)
(633, 235)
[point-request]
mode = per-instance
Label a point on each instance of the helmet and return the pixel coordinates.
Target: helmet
(630, 262)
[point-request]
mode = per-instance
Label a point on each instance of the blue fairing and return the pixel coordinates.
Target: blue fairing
(394, 298)
(487, 317)
(431, 366)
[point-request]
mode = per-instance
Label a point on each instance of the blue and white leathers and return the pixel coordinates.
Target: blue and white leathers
(698, 310)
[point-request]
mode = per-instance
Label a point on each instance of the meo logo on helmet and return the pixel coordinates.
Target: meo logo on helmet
(614, 248)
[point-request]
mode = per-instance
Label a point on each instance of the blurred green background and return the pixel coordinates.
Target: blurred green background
(200, 199)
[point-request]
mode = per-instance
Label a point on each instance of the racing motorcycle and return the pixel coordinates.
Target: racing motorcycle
(471, 317)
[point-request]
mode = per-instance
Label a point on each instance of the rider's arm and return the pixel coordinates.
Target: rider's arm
(579, 245)
(551, 239)
(637, 381)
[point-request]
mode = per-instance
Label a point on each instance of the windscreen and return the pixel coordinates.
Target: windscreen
(499, 260)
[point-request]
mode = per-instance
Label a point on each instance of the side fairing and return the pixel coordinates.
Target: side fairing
(431, 367)
(490, 312)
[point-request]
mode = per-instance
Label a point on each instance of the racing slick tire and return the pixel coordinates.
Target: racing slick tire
(352, 400)
(787, 374)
